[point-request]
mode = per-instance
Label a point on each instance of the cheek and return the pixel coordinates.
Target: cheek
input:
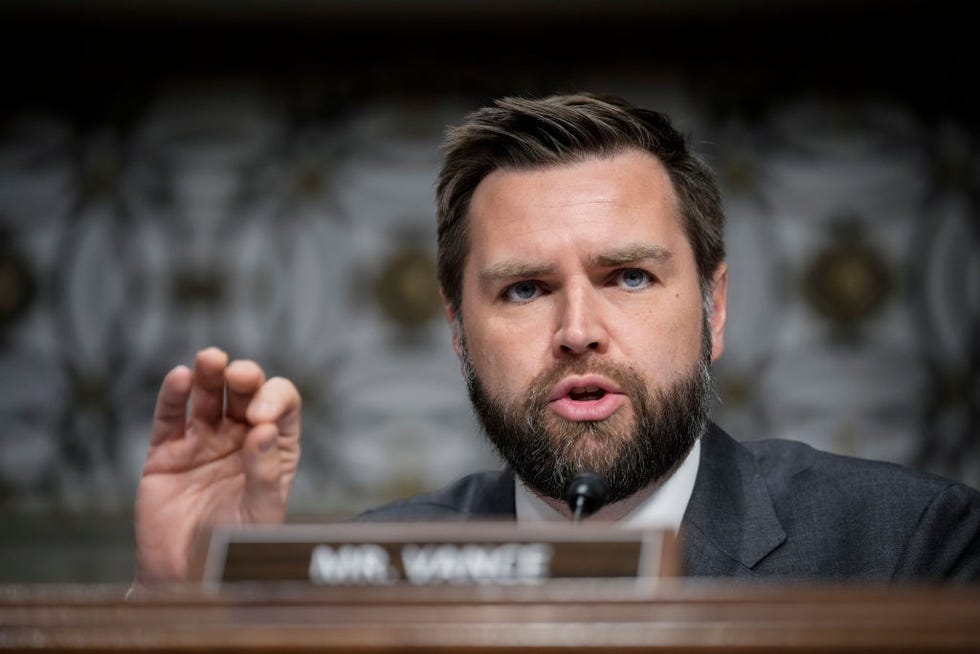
(662, 340)
(503, 360)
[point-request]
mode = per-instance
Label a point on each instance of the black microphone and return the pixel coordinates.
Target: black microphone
(585, 494)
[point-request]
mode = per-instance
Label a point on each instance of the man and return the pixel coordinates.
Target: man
(581, 261)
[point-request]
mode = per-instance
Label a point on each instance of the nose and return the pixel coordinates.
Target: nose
(580, 328)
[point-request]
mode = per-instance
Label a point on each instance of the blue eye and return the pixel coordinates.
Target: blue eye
(521, 291)
(634, 278)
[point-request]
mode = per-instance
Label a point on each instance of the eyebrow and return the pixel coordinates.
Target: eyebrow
(631, 254)
(513, 270)
(504, 270)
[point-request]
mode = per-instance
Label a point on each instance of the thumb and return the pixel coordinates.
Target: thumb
(263, 502)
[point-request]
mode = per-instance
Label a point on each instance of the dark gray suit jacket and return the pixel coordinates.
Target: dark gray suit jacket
(782, 509)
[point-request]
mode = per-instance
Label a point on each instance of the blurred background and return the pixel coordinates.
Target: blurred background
(258, 175)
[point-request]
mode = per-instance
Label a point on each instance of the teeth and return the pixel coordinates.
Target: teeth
(586, 393)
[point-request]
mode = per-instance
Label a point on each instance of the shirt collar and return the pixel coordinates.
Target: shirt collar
(663, 509)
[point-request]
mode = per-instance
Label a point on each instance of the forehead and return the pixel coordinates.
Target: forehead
(595, 203)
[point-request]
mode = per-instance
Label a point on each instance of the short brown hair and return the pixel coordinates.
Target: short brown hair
(521, 133)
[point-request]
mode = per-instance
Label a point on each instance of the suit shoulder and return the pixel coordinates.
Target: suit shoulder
(791, 467)
(864, 519)
(488, 494)
(861, 494)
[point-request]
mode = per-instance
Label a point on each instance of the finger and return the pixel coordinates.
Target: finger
(277, 402)
(170, 413)
(263, 502)
(208, 389)
(244, 379)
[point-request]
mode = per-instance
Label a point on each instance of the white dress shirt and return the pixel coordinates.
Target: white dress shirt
(664, 509)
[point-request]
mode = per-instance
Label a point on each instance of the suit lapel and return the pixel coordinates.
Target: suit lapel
(730, 523)
(492, 496)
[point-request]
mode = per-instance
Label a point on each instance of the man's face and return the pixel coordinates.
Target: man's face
(582, 322)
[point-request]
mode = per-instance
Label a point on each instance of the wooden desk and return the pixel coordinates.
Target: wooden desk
(585, 616)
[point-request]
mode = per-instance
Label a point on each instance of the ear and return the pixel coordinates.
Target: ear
(451, 315)
(719, 300)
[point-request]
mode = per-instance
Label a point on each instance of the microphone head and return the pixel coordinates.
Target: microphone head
(585, 494)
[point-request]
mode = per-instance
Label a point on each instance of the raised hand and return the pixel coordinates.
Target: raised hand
(224, 450)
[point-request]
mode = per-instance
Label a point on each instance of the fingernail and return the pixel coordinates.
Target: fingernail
(262, 408)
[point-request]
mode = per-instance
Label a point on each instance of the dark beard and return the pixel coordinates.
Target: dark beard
(635, 446)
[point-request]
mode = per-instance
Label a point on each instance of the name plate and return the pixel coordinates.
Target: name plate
(422, 554)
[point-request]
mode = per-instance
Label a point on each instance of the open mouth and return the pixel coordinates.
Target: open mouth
(586, 393)
(586, 398)
(584, 388)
